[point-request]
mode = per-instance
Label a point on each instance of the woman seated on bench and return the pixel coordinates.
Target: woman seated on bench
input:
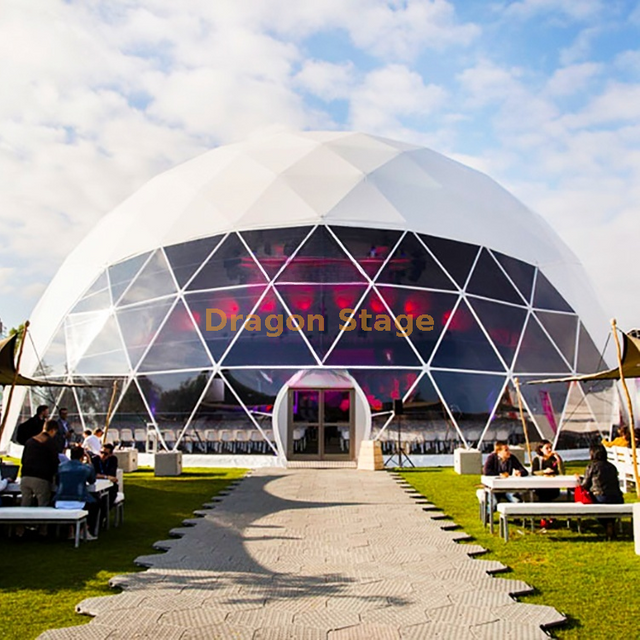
(621, 441)
(74, 477)
(547, 463)
(601, 481)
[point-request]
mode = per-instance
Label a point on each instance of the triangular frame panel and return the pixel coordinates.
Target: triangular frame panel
(177, 345)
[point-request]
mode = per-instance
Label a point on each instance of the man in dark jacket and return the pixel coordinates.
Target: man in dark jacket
(503, 463)
(106, 466)
(39, 466)
(33, 426)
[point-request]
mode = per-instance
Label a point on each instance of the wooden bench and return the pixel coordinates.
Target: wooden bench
(44, 515)
(622, 459)
(558, 509)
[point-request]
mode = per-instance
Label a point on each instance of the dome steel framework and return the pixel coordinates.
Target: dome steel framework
(496, 315)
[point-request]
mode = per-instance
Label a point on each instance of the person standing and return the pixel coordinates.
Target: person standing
(62, 437)
(39, 467)
(33, 426)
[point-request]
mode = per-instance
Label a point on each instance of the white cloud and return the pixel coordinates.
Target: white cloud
(574, 9)
(629, 60)
(388, 95)
(327, 80)
(487, 83)
(581, 47)
(618, 103)
(569, 80)
(401, 29)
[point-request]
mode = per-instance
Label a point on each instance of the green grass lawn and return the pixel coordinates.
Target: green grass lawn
(42, 581)
(594, 582)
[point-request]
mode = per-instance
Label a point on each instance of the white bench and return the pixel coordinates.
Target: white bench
(622, 459)
(44, 515)
(558, 509)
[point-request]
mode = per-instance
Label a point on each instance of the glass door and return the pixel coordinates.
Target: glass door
(336, 424)
(320, 424)
(304, 424)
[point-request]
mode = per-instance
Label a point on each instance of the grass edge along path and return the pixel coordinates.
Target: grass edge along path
(41, 582)
(593, 582)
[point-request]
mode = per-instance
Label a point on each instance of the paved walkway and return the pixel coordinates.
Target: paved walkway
(306, 554)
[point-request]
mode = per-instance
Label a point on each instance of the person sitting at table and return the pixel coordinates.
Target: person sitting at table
(74, 478)
(106, 466)
(503, 463)
(622, 440)
(93, 442)
(547, 463)
(601, 481)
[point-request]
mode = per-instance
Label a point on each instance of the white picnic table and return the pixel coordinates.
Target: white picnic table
(513, 484)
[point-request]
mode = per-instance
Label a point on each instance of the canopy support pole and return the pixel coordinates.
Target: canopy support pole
(632, 424)
(107, 421)
(5, 415)
(524, 422)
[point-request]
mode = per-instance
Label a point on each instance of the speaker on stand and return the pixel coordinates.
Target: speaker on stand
(398, 410)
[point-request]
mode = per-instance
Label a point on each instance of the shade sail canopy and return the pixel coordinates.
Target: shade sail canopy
(630, 365)
(9, 374)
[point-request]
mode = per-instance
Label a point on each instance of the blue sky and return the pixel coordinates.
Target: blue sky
(543, 95)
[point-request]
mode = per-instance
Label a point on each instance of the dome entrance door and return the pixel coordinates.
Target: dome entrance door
(320, 424)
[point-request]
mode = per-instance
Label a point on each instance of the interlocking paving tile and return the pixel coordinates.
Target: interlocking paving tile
(296, 605)
(165, 545)
(431, 599)
(355, 603)
(469, 572)
(435, 631)
(94, 606)
(185, 600)
(505, 630)
(151, 632)
(129, 619)
(381, 588)
(91, 631)
(194, 618)
(482, 598)
(325, 619)
(220, 632)
(261, 618)
(310, 554)
(290, 632)
(368, 631)
(396, 616)
(461, 615)
(530, 614)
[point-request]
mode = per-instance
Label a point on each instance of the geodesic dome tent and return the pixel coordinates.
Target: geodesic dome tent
(347, 228)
